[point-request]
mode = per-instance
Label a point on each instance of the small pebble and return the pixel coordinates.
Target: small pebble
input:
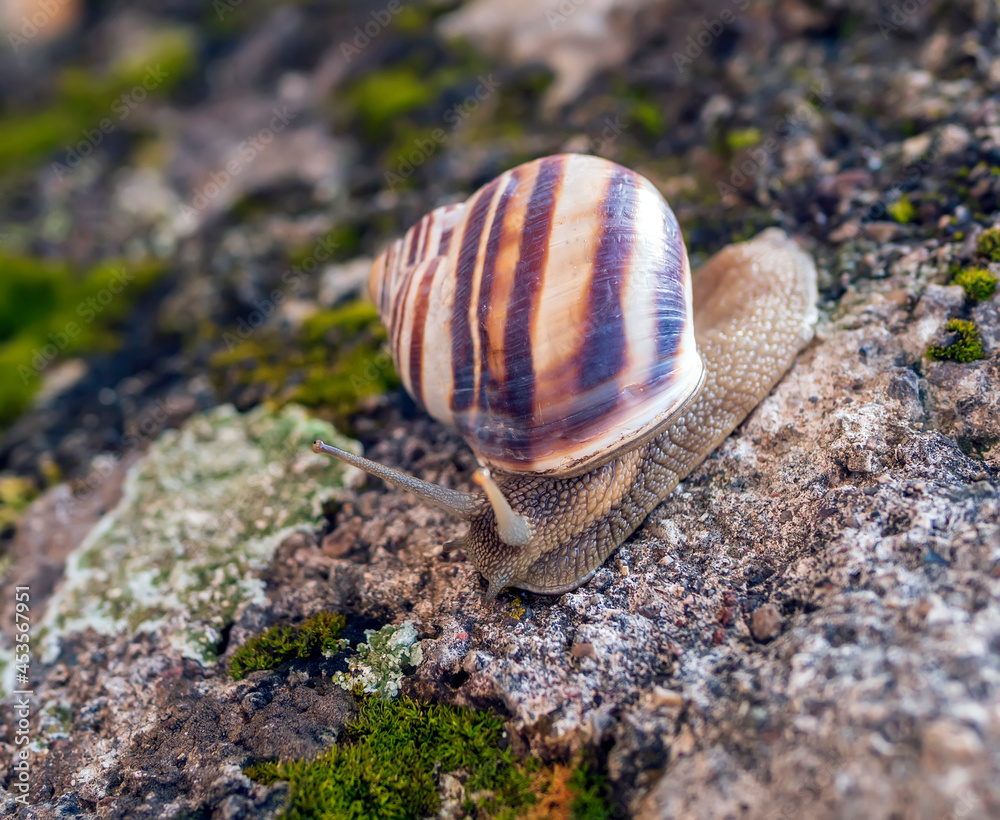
(765, 623)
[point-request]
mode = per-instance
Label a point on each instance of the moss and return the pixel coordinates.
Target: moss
(901, 210)
(48, 312)
(389, 767)
(316, 636)
(978, 283)
(967, 348)
(742, 138)
(344, 242)
(382, 97)
(988, 244)
(16, 493)
(82, 102)
(397, 752)
(334, 361)
(590, 794)
(648, 116)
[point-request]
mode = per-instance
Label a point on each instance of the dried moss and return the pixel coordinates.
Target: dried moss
(978, 283)
(316, 636)
(988, 244)
(397, 753)
(967, 348)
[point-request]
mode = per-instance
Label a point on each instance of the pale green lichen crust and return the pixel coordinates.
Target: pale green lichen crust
(200, 515)
(377, 666)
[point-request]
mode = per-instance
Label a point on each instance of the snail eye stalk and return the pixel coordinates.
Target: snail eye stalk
(461, 505)
(512, 528)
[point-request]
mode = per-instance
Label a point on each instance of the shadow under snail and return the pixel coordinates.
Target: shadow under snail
(549, 318)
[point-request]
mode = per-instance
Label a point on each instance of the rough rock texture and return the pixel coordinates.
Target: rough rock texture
(809, 626)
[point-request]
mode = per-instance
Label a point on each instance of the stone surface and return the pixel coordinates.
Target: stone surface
(808, 626)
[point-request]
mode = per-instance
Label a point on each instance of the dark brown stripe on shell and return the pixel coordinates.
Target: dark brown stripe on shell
(445, 242)
(463, 366)
(486, 283)
(398, 316)
(603, 357)
(671, 309)
(517, 397)
(415, 241)
(419, 325)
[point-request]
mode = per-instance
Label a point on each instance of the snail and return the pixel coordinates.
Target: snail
(552, 318)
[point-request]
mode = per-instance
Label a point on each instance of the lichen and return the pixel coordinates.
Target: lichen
(988, 244)
(377, 666)
(967, 348)
(315, 637)
(979, 283)
(200, 515)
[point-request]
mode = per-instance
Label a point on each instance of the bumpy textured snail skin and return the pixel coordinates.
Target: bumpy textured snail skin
(754, 311)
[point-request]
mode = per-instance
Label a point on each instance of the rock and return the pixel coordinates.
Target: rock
(211, 501)
(806, 627)
(765, 623)
(576, 38)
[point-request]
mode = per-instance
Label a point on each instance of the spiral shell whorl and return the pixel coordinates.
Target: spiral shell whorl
(548, 317)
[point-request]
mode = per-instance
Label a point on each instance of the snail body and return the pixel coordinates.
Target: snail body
(552, 318)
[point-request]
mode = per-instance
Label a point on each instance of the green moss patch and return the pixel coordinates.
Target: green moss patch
(988, 244)
(742, 138)
(314, 637)
(968, 347)
(334, 360)
(902, 210)
(49, 312)
(397, 754)
(978, 283)
(85, 108)
(16, 493)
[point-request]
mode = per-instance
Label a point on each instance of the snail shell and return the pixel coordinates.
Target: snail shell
(548, 317)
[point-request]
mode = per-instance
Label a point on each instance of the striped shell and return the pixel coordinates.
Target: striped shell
(548, 317)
